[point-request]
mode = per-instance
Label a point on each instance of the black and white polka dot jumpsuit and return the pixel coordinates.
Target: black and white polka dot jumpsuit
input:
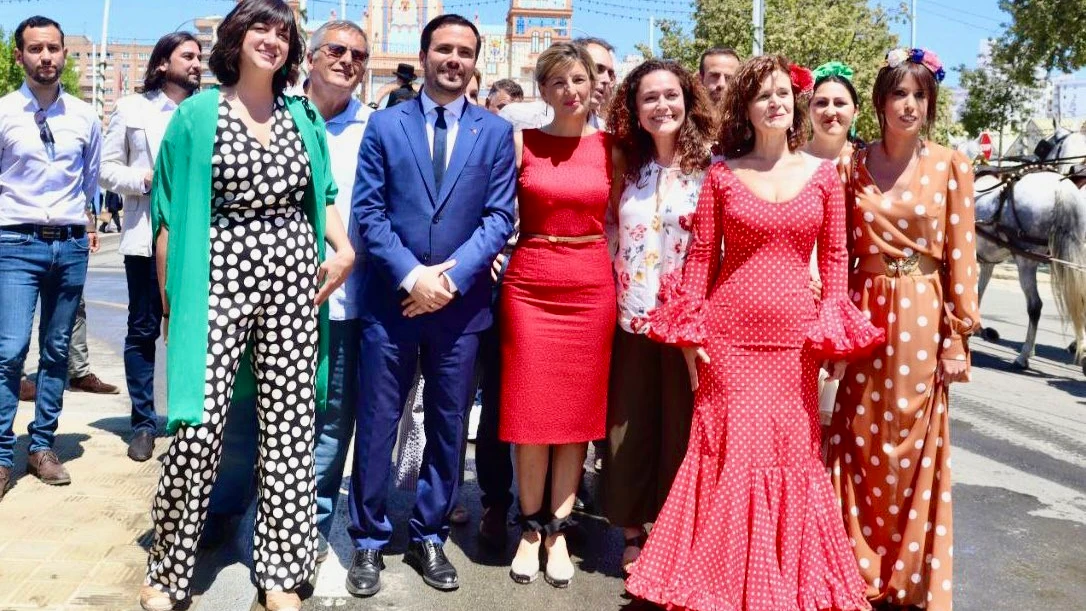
(262, 290)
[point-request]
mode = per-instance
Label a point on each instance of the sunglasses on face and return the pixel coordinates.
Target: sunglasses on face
(336, 51)
(45, 133)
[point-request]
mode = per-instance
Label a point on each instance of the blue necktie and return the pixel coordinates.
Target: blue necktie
(440, 137)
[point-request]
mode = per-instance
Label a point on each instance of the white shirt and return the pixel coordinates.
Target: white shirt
(536, 114)
(345, 132)
(39, 188)
(653, 234)
(129, 149)
(453, 111)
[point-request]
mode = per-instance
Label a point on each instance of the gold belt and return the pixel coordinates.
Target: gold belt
(913, 265)
(563, 239)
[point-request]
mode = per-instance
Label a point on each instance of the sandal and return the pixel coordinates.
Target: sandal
(633, 543)
(527, 570)
(282, 601)
(559, 577)
(153, 599)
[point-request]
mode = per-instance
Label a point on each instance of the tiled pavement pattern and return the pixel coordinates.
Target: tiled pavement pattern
(79, 547)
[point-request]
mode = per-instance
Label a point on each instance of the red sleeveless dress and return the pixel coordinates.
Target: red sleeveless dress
(557, 305)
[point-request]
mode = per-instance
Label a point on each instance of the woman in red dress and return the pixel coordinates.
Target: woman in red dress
(558, 310)
(751, 520)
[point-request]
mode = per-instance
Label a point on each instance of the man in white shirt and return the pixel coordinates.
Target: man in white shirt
(49, 153)
(337, 58)
(129, 150)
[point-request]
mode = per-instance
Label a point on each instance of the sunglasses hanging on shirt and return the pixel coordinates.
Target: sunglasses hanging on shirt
(45, 134)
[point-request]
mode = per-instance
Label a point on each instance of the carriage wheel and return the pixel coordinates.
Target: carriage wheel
(989, 334)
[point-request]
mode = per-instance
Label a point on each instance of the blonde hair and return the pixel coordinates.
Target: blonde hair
(561, 56)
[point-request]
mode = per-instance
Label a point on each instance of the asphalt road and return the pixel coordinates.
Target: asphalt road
(1019, 462)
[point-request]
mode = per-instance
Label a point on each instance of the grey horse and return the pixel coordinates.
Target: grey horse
(1045, 216)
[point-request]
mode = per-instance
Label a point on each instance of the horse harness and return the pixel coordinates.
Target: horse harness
(1009, 233)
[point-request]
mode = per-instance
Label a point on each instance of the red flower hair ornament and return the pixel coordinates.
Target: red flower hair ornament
(802, 80)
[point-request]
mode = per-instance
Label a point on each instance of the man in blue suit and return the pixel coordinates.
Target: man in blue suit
(433, 197)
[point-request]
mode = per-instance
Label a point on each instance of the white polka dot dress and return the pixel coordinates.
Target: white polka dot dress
(751, 522)
(890, 433)
(262, 289)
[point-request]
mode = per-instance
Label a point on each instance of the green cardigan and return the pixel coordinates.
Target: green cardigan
(181, 202)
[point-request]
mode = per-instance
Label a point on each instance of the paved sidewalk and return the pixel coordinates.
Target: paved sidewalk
(78, 547)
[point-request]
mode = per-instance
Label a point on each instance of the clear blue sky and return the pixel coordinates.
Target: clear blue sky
(953, 28)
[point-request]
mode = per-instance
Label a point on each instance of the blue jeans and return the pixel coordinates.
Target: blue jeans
(144, 323)
(335, 425)
(54, 271)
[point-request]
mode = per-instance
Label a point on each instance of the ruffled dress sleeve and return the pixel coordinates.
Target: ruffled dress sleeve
(841, 331)
(960, 272)
(679, 318)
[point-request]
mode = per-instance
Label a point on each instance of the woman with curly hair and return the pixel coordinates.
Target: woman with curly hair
(750, 522)
(662, 122)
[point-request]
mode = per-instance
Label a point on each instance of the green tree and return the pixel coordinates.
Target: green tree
(12, 75)
(1046, 34)
(994, 99)
(808, 32)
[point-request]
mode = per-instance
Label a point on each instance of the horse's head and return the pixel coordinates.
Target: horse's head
(1063, 146)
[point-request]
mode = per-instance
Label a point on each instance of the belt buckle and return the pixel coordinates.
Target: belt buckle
(51, 233)
(553, 239)
(904, 266)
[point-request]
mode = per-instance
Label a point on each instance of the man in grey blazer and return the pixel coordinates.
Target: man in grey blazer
(128, 159)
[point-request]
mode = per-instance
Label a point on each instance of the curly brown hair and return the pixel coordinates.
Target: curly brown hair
(736, 130)
(695, 136)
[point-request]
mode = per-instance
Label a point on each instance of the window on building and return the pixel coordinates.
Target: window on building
(126, 55)
(491, 68)
(535, 42)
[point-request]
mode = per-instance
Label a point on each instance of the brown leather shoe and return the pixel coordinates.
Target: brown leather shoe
(493, 527)
(5, 481)
(91, 383)
(28, 390)
(46, 466)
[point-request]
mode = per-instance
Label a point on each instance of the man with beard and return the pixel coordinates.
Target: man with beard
(716, 69)
(433, 198)
(128, 159)
(50, 145)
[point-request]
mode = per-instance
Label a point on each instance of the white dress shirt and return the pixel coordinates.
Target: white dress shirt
(345, 132)
(453, 111)
(37, 187)
(129, 150)
(536, 114)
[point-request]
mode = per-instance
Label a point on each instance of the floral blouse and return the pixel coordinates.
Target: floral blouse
(650, 239)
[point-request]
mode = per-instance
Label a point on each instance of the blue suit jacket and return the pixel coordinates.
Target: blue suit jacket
(405, 221)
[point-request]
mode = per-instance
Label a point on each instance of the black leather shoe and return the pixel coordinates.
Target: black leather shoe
(364, 576)
(428, 558)
(142, 446)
